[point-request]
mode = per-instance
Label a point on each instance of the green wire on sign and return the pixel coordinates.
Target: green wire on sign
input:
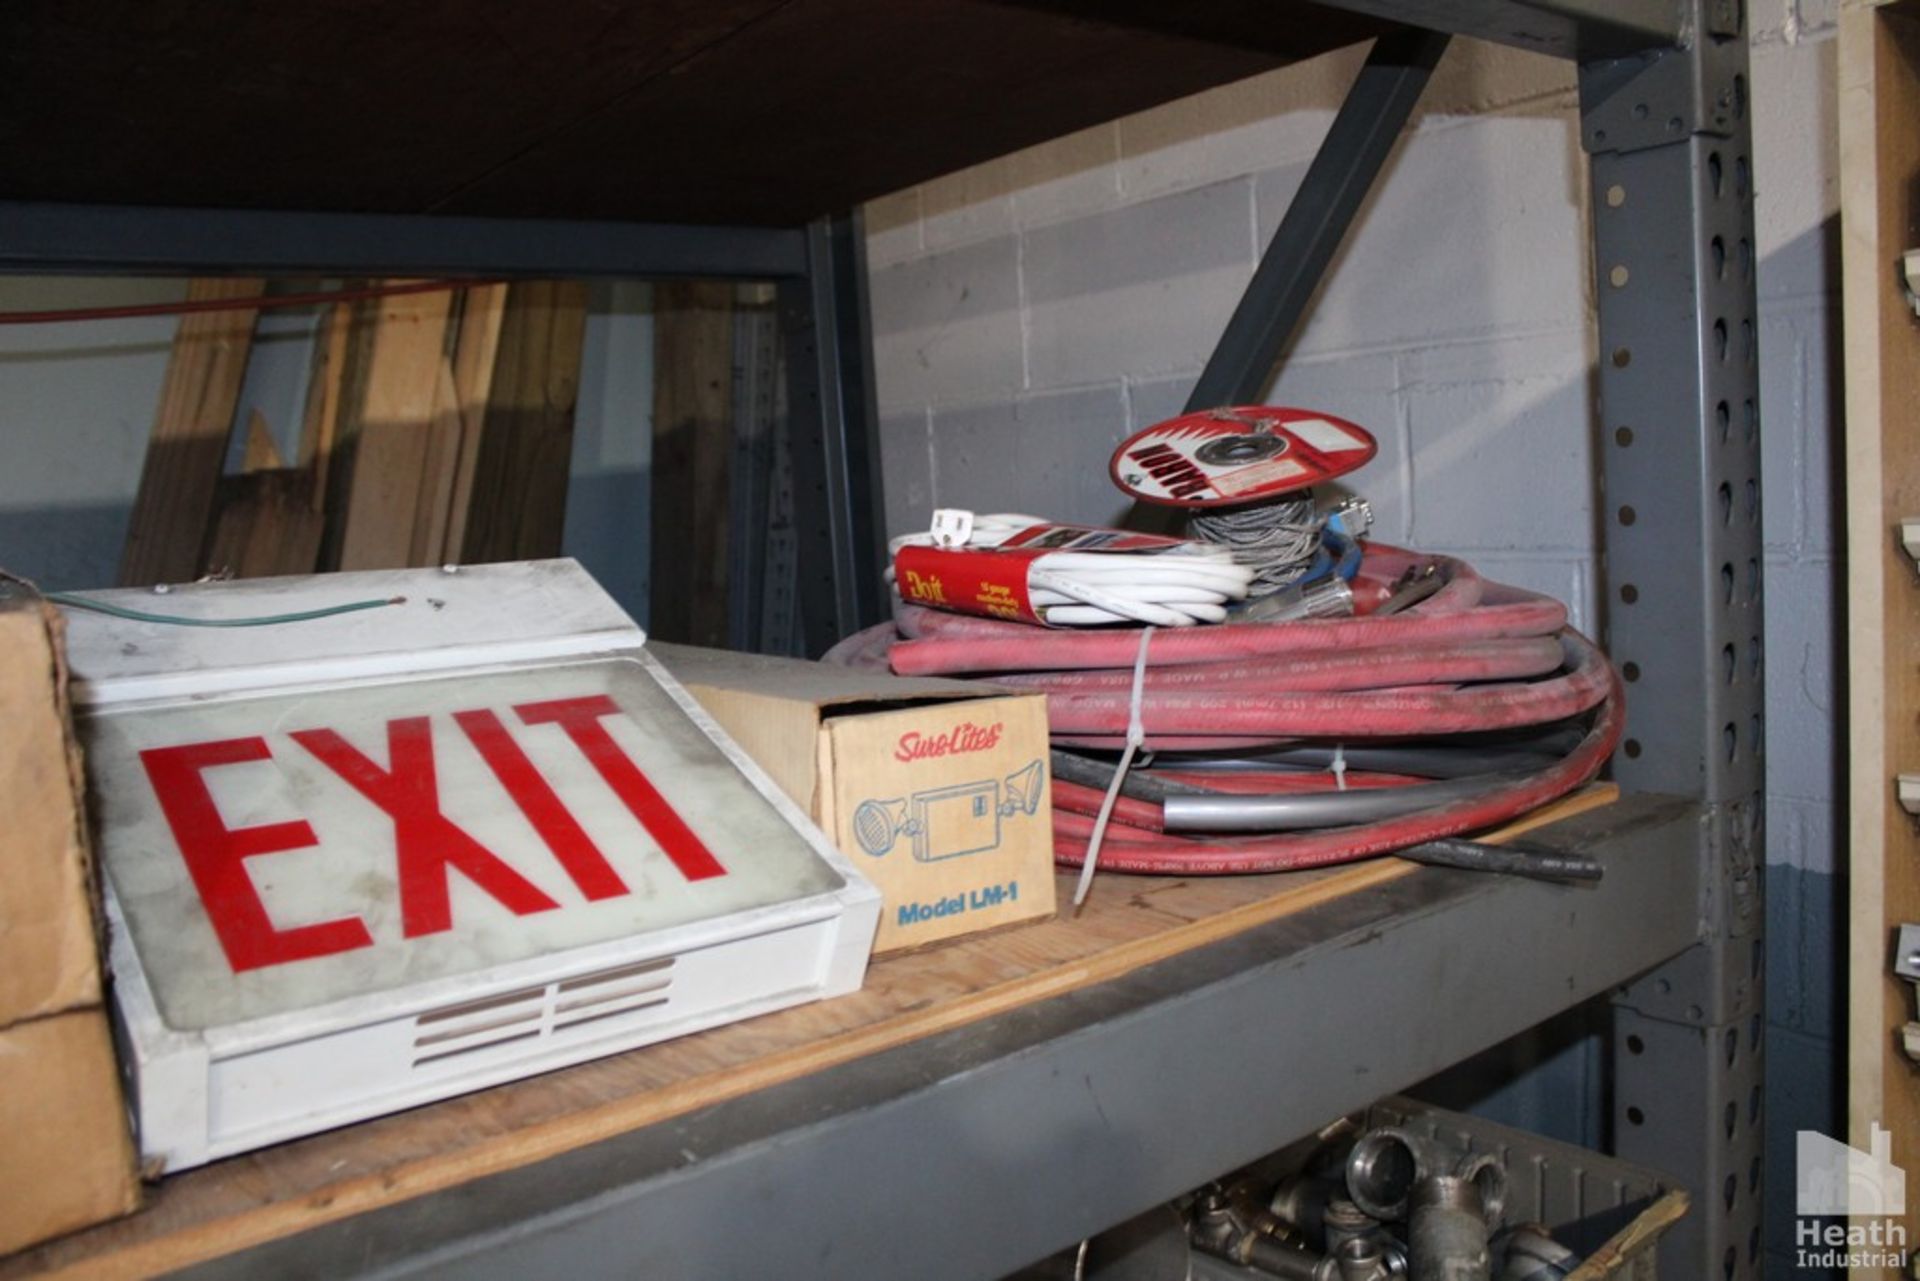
(255, 620)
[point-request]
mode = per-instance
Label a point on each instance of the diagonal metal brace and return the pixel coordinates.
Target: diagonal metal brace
(1355, 148)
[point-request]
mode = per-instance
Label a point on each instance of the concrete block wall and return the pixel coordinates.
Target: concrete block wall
(1040, 308)
(1031, 312)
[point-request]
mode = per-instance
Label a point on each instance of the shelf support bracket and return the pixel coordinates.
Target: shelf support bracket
(1376, 109)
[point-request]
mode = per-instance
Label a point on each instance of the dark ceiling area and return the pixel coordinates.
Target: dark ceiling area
(762, 112)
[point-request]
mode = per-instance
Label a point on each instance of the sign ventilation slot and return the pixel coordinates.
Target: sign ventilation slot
(593, 997)
(537, 1014)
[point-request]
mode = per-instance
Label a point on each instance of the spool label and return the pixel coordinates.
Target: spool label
(1225, 456)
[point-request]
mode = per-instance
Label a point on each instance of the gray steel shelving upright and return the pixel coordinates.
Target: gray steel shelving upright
(1665, 124)
(972, 1152)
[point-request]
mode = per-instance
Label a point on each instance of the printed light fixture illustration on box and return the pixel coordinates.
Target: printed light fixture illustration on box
(951, 821)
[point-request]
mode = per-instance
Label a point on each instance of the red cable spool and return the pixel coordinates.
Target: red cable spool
(1473, 657)
(1245, 454)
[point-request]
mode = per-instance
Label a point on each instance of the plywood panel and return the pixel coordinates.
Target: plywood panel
(174, 505)
(391, 424)
(1880, 218)
(1130, 922)
(692, 446)
(518, 501)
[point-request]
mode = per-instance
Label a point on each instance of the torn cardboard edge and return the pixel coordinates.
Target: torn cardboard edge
(68, 1160)
(51, 965)
(770, 701)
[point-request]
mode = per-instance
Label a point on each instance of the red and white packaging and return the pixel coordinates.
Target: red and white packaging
(993, 580)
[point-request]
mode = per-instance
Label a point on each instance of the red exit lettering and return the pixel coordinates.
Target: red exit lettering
(428, 846)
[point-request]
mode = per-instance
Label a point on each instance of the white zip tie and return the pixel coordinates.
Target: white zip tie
(1339, 767)
(1136, 735)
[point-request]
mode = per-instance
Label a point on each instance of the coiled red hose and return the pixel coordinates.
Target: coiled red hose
(1476, 656)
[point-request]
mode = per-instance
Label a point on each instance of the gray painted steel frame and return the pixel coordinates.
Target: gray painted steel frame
(1664, 116)
(835, 436)
(971, 1153)
(1672, 197)
(1578, 29)
(137, 241)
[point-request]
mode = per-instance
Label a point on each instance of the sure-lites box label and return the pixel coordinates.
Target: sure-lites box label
(947, 809)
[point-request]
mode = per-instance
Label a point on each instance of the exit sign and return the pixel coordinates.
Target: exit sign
(333, 898)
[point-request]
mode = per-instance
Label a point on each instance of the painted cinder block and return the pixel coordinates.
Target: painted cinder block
(1044, 455)
(1802, 634)
(1240, 128)
(1154, 400)
(906, 457)
(1796, 167)
(1144, 289)
(1823, 522)
(1782, 430)
(1474, 229)
(1803, 1092)
(967, 205)
(1806, 927)
(947, 326)
(1068, 177)
(1502, 444)
(892, 224)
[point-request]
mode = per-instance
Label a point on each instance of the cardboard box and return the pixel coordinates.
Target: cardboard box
(67, 1160)
(936, 789)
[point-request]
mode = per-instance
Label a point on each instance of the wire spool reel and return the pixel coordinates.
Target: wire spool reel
(1245, 475)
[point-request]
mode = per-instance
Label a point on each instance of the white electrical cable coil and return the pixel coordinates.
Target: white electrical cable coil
(1176, 585)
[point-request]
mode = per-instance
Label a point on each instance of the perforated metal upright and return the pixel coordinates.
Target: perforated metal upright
(1672, 190)
(1664, 120)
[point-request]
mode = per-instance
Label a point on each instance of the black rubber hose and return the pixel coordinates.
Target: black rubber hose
(1515, 858)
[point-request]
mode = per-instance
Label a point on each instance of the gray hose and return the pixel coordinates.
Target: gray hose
(1138, 784)
(1517, 859)
(1293, 811)
(1422, 762)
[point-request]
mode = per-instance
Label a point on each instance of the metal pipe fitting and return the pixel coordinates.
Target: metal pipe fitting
(1488, 1174)
(1356, 1261)
(1301, 1201)
(1342, 1221)
(1361, 1259)
(1229, 1222)
(1447, 1231)
(1528, 1252)
(1382, 1169)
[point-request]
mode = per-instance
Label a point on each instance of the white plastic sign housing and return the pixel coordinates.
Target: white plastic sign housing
(361, 862)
